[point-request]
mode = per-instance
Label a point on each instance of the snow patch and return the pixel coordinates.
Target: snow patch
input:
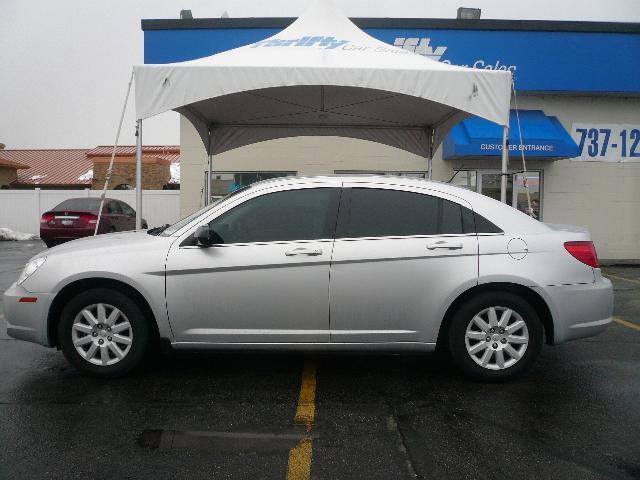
(86, 176)
(8, 234)
(175, 172)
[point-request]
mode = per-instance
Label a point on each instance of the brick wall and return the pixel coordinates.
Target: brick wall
(155, 172)
(7, 175)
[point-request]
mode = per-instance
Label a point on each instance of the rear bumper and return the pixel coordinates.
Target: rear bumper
(26, 321)
(65, 234)
(579, 311)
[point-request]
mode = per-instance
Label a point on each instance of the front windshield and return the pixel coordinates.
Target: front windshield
(171, 229)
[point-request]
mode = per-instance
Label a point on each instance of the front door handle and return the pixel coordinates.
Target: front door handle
(303, 251)
(445, 245)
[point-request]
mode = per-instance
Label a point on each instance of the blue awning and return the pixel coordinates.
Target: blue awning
(543, 136)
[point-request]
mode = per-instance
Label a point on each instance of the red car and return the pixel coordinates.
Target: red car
(77, 217)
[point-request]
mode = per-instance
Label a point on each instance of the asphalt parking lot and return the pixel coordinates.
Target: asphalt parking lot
(576, 414)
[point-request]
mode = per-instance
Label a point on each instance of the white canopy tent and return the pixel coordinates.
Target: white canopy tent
(321, 76)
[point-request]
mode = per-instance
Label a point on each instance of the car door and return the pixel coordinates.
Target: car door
(401, 254)
(115, 216)
(267, 279)
(128, 216)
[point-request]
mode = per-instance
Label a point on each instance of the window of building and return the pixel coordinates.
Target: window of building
(371, 212)
(487, 182)
(380, 172)
(223, 183)
(305, 214)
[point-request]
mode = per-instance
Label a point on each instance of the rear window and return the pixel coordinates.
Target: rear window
(485, 226)
(85, 204)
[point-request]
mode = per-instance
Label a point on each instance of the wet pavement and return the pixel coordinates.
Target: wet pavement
(574, 415)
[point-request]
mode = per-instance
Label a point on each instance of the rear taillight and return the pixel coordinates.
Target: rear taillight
(89, 218)
(583, 251)
(46, 217)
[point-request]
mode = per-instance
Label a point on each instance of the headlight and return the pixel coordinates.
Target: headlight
(30, 268)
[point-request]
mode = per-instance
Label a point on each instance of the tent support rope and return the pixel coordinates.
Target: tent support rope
(107, 177)
(525, 182)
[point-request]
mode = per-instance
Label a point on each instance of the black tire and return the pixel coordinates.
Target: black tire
(49, 243)
(458, 329)
(140, 332)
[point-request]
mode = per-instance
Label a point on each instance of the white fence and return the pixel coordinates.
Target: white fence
(20, 210)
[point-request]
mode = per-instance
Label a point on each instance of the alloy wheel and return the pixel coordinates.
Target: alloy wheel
(496, 338)
(102, 334)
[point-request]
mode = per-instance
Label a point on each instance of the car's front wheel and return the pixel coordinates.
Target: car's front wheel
(495, 336)
(103, 332)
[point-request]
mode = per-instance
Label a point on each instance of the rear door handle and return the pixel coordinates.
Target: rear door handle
(303, 251)
(445, 245)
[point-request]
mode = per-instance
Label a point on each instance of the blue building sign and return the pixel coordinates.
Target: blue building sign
(542, 60)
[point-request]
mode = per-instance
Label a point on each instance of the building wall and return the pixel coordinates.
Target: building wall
(604, 197)
(303, 155)
(7, 175)
(154, 176)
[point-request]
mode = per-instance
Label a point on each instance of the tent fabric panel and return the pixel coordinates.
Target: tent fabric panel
(322, 47)
(164, 88)
(228, 138)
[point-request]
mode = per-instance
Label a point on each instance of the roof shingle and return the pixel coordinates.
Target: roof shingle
(65, 167)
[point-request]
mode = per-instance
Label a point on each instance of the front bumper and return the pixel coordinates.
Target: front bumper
(26, 321)
(579, 311)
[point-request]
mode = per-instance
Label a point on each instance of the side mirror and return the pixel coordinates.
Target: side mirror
(202, 236)
(206, 236)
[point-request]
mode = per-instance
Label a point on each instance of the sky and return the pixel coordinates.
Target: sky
(65, 64)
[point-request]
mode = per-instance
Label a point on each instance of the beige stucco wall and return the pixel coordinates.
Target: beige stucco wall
(304, 155)
(604, 197)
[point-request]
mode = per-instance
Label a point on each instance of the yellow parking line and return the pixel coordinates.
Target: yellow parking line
(635, 326)
(299, 467)
(632, 280)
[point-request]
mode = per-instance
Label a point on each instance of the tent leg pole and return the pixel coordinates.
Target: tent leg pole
(207, 187)
(209, 177)
(138, 174)
(505, 164)
(430, 168)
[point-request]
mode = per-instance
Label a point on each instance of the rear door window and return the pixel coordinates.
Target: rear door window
(114, 208)
(371, 212)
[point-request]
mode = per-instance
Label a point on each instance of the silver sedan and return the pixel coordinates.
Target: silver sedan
(324, 263)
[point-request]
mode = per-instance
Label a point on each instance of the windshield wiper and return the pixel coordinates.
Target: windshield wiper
(158, 230)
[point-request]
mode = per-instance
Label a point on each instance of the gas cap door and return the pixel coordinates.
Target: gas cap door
(517, 248)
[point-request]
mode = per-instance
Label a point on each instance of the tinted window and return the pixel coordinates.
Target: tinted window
(382, 213)
(83, 204)
(126, 209)
(290, 215)
(485, 226)
(114, 207)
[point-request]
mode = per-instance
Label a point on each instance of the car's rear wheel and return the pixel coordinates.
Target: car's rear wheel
(103, 332)
(495, 336)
